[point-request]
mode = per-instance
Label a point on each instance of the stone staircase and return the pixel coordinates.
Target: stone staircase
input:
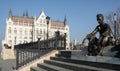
(64, 62)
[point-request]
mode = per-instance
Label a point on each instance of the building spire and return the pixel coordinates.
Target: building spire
(23, 13)
(65, 20)
(26, 13)
(10, 13)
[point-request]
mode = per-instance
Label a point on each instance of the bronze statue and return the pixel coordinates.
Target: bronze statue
(105, 37)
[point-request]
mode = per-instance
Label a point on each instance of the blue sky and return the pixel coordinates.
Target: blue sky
(81, 14)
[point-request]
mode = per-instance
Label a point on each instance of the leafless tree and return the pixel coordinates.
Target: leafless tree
(114, 23)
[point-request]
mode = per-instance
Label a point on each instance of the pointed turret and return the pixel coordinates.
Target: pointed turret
(10, 13)
(23, 13)
(26, 13)
(65, 21)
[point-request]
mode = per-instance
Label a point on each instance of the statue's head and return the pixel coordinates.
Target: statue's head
(100, 18)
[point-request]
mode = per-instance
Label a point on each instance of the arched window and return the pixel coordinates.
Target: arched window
(20, 30)
(26, 31)
(9, 30)
(15, 31)
(37, 31)
(40, 31)
(31, 31)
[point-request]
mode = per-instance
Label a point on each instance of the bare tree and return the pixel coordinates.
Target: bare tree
(114, 22)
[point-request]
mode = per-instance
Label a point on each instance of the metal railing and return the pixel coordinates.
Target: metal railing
(26, 53)
(24, 56)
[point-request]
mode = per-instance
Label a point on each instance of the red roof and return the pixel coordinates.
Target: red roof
(57, 24)
(23, 19)
(31, 21)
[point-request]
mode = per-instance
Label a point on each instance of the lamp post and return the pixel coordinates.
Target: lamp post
(38, 37)
(47, 20)
(38, 41)
(15, 40)
(115, 27)
(32, 32)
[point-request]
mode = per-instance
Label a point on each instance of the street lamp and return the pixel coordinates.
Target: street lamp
(38, 37)
(115, 27)
(38, 41)
(47, 20)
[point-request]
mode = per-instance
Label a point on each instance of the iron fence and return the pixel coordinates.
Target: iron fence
(28, 52)
(24, 56)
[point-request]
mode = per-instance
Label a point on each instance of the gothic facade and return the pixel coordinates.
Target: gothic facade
(25, 29)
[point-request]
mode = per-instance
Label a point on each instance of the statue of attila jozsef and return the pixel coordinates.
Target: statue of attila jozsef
(105, 36)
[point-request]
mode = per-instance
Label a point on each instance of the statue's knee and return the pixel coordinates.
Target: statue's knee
(105, 41)
(111, 41)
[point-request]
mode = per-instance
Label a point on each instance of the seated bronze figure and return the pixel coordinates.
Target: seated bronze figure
(105, 37)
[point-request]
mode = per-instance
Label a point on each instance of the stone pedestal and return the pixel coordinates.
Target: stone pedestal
(7, 54)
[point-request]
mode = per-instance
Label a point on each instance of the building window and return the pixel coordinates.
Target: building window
(20, 30)
(42, 16)
(10, 42)
(44, 21)
(9, 30)
(25, 37)
(20, 37)
(15, 23)
(66, 29)
(30, 37)
(40, 31)
(40, 21)
(20, 42)
(31, 31)
(15, 31)
(9, 36)
(66, 35)
(26, 31)
(10, 23)
(66, 44)
(37, 31)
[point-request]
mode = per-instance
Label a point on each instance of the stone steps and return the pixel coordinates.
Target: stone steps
(63, 65)
(51, 67)
(68, 61)
(101, 65)
(37, 69)
(70, 66)
(0, 69)
(48, 67)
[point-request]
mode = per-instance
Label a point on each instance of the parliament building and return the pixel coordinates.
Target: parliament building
(25, 29)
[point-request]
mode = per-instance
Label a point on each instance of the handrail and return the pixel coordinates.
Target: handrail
(28, 52)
